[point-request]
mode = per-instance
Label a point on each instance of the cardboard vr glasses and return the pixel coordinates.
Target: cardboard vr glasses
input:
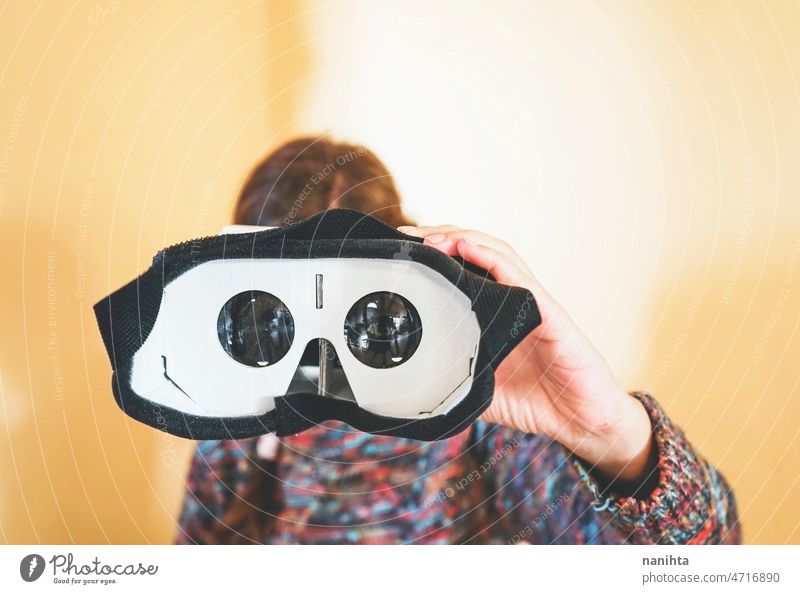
(339, 316)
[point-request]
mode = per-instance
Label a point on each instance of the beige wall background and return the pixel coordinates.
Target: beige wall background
(642, 158)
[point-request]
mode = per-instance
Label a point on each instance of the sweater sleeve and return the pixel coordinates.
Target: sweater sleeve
(217, 473)
(546, 494)
(691, 502)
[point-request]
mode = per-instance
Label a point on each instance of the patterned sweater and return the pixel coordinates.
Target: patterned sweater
(488, 484)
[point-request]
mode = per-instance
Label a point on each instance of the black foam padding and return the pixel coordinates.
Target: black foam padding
(504, 313)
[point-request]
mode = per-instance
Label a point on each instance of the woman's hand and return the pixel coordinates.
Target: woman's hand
(554, 382)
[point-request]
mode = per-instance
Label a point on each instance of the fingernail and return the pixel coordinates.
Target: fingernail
(407, 229)
(435, 238)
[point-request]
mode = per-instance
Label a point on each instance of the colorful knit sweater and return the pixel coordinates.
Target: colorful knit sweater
(489, 484)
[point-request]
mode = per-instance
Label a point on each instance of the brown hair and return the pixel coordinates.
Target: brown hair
(311, 174)
(297, 180)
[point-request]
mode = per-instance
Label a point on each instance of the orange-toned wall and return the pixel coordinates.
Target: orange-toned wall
(130, 126)
(641, 158)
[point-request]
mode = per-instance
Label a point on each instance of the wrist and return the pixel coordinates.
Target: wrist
(622, 450)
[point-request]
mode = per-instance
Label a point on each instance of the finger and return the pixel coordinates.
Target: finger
(489, 415)
(443, 242)
(446, 238)
(425, 230)
(504, 269)
(435, 232)
(493, 242)
(475, 235)
(498, 264)
(447, 242)
(486, 257)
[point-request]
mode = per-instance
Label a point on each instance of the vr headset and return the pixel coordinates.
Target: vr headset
(339, 316)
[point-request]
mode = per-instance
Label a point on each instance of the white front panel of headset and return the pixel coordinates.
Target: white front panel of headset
(184, 338)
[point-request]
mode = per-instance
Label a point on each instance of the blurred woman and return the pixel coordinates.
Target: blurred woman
(562, 455)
